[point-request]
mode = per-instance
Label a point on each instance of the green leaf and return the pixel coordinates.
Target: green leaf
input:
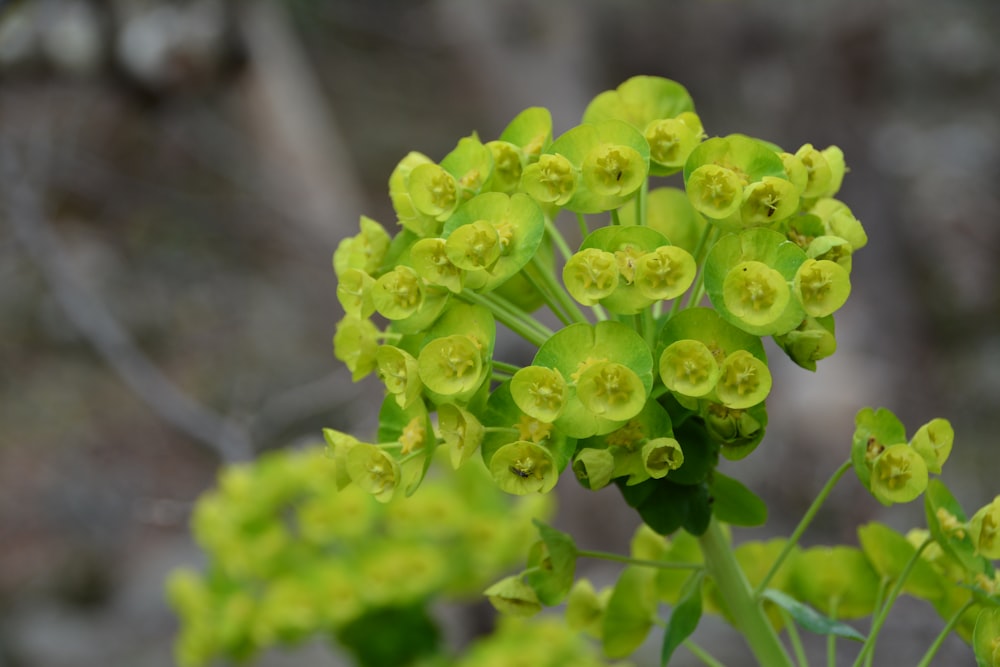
(810, 619)
(556, 565)
(735, 504)
(685, 617)
(889, 552)
(630, 612)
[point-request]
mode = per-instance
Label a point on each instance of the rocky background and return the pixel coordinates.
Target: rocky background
(174, 177)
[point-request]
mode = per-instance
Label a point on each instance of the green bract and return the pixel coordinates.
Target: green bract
(540, 392)
(984, 529)
(688, 367)
(461, 432)
(898, 475)
(748, 277)
(612, 158)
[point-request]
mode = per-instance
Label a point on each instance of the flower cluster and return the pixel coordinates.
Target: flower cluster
(291, 557)
(637, 386)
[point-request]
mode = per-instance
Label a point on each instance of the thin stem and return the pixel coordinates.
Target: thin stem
(532, 333)
(500, 376)
(618, 558)
(939, 640)
(698, 287)
(582, 222)
(640, 203)
(831, 640)
(615, 219)
(795, 639)
(801, 528)
(504, 367)
(702, 654)
(648, 327)
(558, 239)
(557, 292)
(868, 649)
(746, 610)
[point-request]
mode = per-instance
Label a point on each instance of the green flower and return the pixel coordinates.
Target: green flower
(461, 432)
(511, 595)
(984, 529)
(355, 343)
(744, 381)
(397, 369)
(821, 286)
(374, 470)
(539, 392)
(688, 367)
(898, 475)
(398, 294)
(551, 180)
(451, 365)
(933, 441)
(591, 275)
(523, 467)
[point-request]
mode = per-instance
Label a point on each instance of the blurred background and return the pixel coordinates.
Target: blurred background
(174, 177)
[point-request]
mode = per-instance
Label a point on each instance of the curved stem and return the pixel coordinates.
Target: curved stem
(526, 327)
(504, 367)
(747, 611)
(556, 291)
(702, 654)
(952, 622)
(883, 613)
(801, 528)
(558, 239)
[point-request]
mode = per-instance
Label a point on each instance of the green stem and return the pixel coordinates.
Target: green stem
(615, 220)
(582, 222)
(698, 287)
(869, 647)
(558, 239)
(952, 622)
(618, 558)
(640, 203)
(801, 528)
(831, 640)
(526, 327)
(702, 654)
(557, 292)
(795, 639)
(504, 367)
(747, 611)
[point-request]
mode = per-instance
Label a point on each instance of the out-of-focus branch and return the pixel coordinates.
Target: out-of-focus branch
(25, 212)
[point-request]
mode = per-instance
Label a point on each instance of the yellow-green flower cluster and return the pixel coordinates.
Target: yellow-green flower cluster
(292, 556)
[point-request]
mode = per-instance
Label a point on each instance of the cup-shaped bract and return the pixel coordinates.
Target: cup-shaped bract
(474, 246)
(551, 180)
(539, 392)
(767, 201)
(429, 257)
(523, 467)
(639, 101)
(611, 390)
(984, 529)
(451, 366)
(933, 441)
(795, 170)
(838, 220)
(671, 141)
(821, 286)
(748, 277)
(338, 445)
(354, 292)
(512, 595)
(508, 165)
(591, 275)
(898, 475)
(719, 169)
(811, 341)
(585, 608)
(986, 637)
(629, 244)
(579, 347)
(355, 343)
(689, 368)
(660, 456)
(744, 380)
(530, 131)
(364, 251)
(398, 293)
(755, 294)
(461, 431)
(518, 225)
(715, 191)
(398, 371)
(594, 467)
(407, 213)
(471, 164)
(374, 470)
(433, 191)
(613, 161)
(665, 273)
(820, 179)
(874, 431)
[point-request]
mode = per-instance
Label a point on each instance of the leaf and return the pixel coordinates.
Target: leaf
(556, 565)
(810, 619)
(735, 504)
(684, 618)
(629, 614)
(889, 552)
